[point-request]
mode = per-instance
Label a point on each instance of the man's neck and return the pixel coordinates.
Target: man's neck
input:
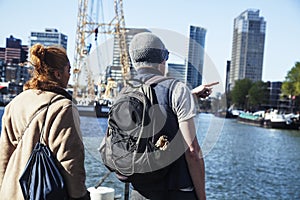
(149, 70)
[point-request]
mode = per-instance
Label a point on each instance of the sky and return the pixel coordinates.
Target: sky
(282, 42)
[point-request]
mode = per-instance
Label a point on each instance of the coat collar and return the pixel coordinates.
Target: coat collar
(46, 86)
(59, 90)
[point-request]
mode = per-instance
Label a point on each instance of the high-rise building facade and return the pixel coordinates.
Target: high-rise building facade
(50, 37)
(274, 95)
(247, 47)
(195, 58)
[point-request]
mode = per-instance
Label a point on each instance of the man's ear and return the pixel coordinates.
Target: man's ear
(162, 67)
(57, 74)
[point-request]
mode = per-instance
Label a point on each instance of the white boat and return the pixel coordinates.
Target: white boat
(274, 119)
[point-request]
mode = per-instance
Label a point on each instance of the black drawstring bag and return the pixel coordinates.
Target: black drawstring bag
(41, 179)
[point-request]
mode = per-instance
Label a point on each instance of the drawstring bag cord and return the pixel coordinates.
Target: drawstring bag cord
(44, 122)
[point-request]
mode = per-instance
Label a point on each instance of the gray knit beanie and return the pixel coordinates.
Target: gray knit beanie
(147, 47)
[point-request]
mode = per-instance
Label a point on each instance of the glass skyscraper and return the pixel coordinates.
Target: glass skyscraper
(247, 47)
(195, 56)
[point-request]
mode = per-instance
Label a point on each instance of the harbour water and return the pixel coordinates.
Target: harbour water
(242, 161)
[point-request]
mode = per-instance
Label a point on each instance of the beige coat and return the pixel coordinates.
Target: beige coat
(62, 135)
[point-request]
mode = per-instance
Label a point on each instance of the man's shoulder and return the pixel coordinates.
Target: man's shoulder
(180, 86)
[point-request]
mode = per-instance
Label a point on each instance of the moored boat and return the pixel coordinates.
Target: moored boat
(271, 119)
(99, 108)
(102, 107)
(274, 119)
(256, 118)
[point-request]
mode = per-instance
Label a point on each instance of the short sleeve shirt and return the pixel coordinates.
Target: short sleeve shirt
(183, 103)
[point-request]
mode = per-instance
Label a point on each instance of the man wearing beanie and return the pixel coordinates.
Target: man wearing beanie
(186, 176)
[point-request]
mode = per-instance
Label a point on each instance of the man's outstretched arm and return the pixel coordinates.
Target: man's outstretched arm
(194, 157)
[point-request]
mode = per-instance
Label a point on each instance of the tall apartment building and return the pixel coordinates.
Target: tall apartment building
(247, 47)
(49, 37)
(195, 58)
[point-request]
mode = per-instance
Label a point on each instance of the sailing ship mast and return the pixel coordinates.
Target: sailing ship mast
(87, 27)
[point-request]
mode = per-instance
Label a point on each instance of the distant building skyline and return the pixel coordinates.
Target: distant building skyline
(247, 47)
(14, 51)
(13, 68)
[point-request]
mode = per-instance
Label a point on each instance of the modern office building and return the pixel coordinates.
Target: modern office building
(247, 47)
(49, 37)
(195, 57)
(274, 95)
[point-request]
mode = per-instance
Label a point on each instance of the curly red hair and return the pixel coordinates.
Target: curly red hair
(45, 61)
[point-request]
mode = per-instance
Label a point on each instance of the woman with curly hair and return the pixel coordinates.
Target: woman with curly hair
(23, 118)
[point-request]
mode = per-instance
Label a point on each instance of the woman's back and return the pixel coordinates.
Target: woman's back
(62, 135)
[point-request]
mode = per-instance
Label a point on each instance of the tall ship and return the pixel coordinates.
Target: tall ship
(97, 83)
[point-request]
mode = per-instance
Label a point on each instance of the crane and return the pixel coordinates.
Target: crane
(87, 27)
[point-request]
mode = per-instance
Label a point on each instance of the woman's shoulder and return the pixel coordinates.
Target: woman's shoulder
(33, 99)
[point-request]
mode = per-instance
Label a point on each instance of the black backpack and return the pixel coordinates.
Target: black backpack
(133, 147)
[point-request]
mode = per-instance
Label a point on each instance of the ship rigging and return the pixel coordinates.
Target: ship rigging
(87, 26)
